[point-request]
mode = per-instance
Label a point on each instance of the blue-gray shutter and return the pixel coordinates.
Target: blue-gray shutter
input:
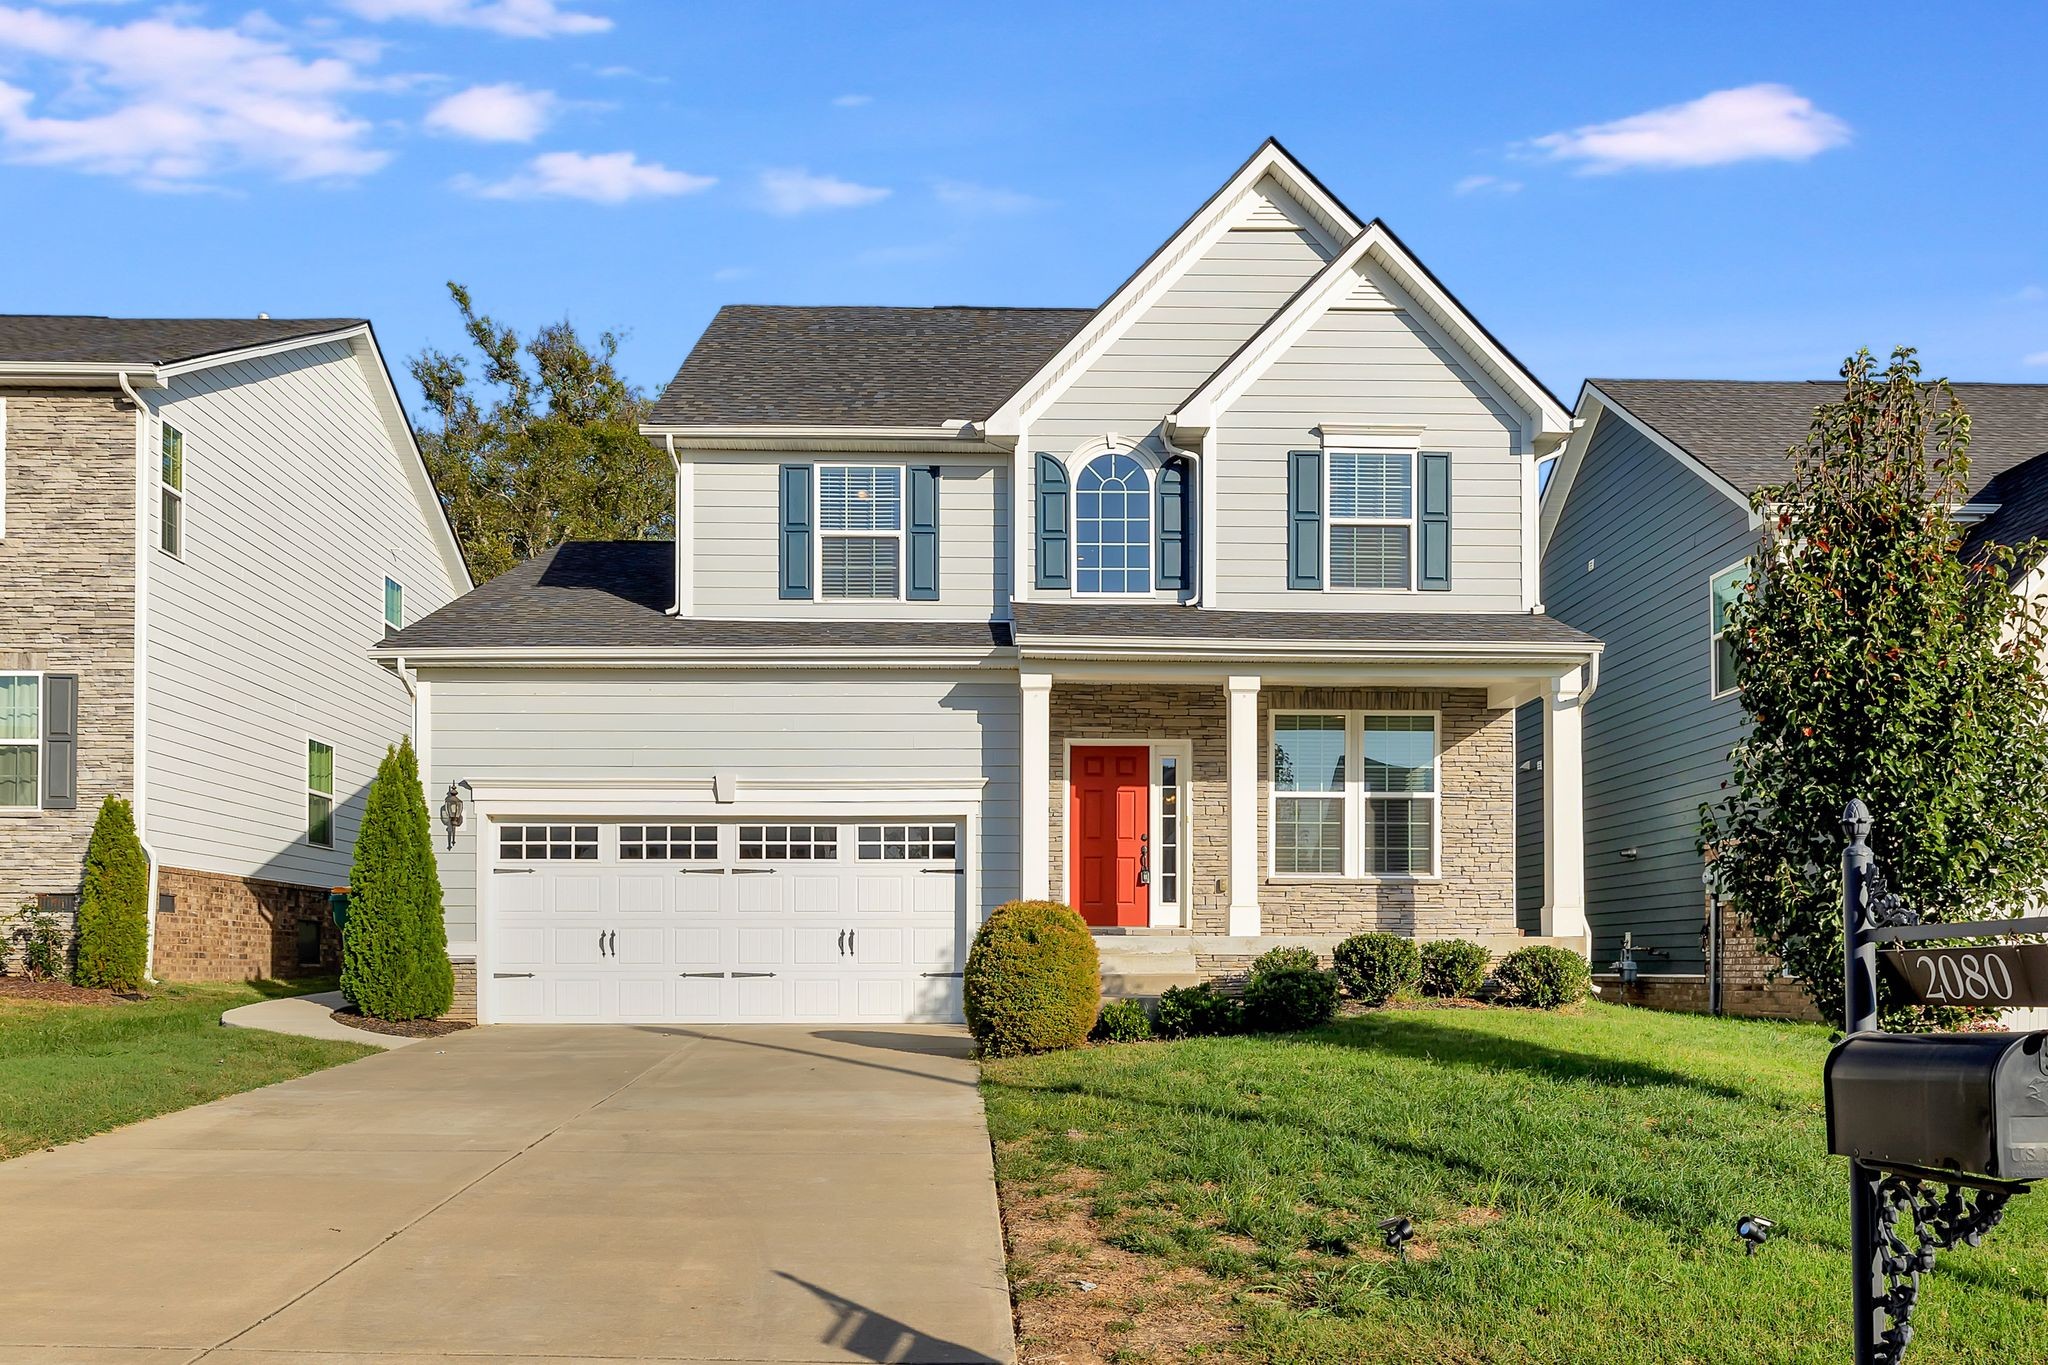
(1176, 484)
(793, 559)
(1434, 561)
(60, 741)
(1052, 523)
(924, 533)
(1305, 519)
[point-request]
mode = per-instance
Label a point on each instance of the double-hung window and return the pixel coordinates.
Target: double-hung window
(860, 530)
(1723, 593)
(1355, 794)
(171, 492)
(1371, 498)
(319, 794)
(21, 740)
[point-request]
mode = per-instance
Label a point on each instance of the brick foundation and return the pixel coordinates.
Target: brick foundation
(220, 928)
(1753, 983)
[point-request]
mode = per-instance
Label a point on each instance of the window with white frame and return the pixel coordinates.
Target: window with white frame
(394, 604)
(1371, 519)
(1723, 593)
(319, 793)
(1113, 526)
(21, 740)
(860, 530)
(1170, 834)
(171, 491)
(1355, 794)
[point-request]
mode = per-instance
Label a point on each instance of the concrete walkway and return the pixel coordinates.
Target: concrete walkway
(308, 1016)
(533, 1195)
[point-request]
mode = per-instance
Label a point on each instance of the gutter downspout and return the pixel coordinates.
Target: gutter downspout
(140, 719)
(676, 607)
(1201, 472)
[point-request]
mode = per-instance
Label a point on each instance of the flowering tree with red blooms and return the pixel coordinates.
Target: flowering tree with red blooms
(1874, 662)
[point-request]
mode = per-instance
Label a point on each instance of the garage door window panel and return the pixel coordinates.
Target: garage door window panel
(547, 843)
(908, 843)
(668, 843)
(788, 843)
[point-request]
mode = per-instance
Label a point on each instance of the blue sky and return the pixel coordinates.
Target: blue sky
(1707, 191)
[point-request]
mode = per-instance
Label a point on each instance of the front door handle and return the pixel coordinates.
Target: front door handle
(1144, 860)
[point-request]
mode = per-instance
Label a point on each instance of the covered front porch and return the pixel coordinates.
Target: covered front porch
(1227, 792)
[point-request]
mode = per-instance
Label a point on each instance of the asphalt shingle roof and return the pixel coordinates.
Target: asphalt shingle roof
(1741, 429)
(883, 367)
(615, 594)
(62, 339)
(1046, 622)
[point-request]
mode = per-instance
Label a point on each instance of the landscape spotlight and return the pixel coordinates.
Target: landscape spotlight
(1753, 1231)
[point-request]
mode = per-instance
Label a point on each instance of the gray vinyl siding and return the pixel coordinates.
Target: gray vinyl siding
(548, 726)
(1529, 817)
(735, 529)
(1656, 740)
(1373, 366)
(1224, 297)
(298, 504)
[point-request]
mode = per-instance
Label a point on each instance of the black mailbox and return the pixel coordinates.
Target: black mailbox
(1973, 1104)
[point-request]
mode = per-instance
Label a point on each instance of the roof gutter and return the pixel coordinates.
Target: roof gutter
(1113, 647)
(79, 373)
(962, 436)
(139, 715)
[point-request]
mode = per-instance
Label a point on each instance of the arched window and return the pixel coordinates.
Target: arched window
(1113, 526)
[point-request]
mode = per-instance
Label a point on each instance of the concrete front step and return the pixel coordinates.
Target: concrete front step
(1144, 985)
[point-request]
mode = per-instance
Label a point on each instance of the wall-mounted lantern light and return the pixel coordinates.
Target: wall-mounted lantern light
(451, 812)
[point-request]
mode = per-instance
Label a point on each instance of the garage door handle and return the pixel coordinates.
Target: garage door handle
(511, 976)
(739, 975)
(942, 973)
(944, 871)
(842, 943)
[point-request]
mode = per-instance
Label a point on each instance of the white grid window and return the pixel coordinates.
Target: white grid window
(547, 843)
(1400, 795)
(21, 740)
(911, 843)
(789, 843)
(668, 843)
(1113, 526)
(1372, 519)
(860, 530)
(1309, 795)
(1355, 794)
(1724, 591)
(171, 491)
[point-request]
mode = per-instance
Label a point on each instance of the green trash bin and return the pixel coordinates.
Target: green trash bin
(337, 906)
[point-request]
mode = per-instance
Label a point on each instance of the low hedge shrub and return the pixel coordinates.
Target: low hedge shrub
(1374, 968)
(1542, 977)
(1197, 1012)
(1122, 1021)
(1280, 959)
(1454, 968)
(1033, 981)
(1284, 999)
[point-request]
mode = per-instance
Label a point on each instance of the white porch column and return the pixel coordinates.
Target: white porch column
(1034, 780)
(1244, 806)
(1564, 811)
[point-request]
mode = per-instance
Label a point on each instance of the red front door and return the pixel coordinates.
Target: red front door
(1109, 833)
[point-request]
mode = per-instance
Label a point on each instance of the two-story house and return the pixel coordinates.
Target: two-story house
(204, 526)
(1647, 534)
(1206, 611)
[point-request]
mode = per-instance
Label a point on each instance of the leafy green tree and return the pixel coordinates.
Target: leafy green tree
(394, 952)
(113, 905)
(1875, 662)
(552, 452)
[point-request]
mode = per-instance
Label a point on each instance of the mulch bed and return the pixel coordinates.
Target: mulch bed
(60, 992)
(408, 1028)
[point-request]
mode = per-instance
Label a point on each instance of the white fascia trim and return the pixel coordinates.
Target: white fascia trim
(701, 658)
(756, 797)
(1592, 403)
(241, 353)
(1173, 260)
(962, 437)
(72, 374)
(1112, 647)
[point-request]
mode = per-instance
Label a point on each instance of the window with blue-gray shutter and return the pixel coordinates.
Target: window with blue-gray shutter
(1052, 523)
(1305, 519)
(793, 557)
(924, 534)
(60, 741)
(1434, 524)
(1176, 541)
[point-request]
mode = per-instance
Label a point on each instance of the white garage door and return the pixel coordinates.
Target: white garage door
(726, 922)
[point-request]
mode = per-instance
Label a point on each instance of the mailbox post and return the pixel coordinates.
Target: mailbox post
(1859, 1006)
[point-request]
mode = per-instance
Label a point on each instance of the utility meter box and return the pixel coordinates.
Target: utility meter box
(1972, 1104)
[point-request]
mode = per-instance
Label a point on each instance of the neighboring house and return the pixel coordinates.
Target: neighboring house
(1647, 534)
(204, 526)
(1206, 610)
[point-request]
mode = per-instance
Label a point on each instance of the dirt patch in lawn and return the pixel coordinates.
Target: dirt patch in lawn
(1081, 1301)
(400, 1028)
(60, 992)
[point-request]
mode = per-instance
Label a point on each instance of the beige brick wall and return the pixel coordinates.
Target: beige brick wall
(67, 605)
(1476, 893)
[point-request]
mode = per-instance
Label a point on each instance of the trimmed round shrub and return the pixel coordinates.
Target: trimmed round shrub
(1033, 981)
(1542, 977)
(1285, 999)
(1281, 959)
(1374, 968)
(1122, 1021)
(113, 905)
(1453, 968)
(1197, 1012)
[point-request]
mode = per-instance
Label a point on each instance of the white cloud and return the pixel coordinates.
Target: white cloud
(1473, 184)
(493, 113)
(798, 191)
(967, 197)
(172, 104)
(852, 101)
(507, 18)
(2031, 293)
(2037, 358)
(1750, 123)
(599, 177)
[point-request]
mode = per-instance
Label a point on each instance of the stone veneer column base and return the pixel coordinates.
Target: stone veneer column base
(464, 1007)
(213, 927)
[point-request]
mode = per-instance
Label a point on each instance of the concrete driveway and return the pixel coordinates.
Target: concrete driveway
(532, 1195)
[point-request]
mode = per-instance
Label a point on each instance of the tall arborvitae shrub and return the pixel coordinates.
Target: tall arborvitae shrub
(113, 905)
(394, 953)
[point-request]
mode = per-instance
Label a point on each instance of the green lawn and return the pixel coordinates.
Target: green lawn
(1575, 1180)
(69, 1071)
